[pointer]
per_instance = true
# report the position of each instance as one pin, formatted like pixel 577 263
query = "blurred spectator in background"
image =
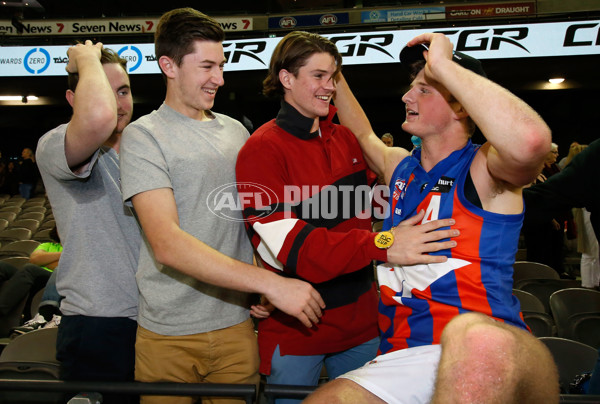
pixel 27 173
pixel 31 278
pixel 544 240
pixel 11 181
pixel 388 139
pixel 574 149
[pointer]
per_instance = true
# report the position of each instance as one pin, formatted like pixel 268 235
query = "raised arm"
pixel 94 106
pixel 519 139
pixel 381 159
pixel 177 249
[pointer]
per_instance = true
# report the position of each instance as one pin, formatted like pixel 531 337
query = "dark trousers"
pixel 28 280
pixel 97 349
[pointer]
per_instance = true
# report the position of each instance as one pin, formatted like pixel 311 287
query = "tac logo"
pixel 229 200
pixel 133 56
pixel 288 22
pixel 328 19
pixel 37 60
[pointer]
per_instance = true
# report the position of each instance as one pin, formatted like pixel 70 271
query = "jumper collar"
pixel 293 122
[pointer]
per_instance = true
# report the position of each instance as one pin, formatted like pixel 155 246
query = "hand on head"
pixel 86 49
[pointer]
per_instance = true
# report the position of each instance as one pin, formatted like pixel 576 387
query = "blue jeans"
pixel 26 190
pixel 50 295
pixel 304 370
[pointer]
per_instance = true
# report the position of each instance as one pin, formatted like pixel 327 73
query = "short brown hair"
pixel 107 56
pixel 179 29
pixel 291 53
pixel 419 65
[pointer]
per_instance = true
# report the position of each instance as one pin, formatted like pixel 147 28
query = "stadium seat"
pixel 532 270
pixel 569 302
pixel 30 224
pixel 535 316
pixel 543 288
pixel 15 234
pixel 31 356
pixel 22 248
pixel 572 358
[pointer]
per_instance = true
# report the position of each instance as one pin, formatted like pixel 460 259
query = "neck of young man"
pixel 437 148
pixel 114 141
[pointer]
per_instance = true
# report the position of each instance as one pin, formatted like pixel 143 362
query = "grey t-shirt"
pixel 166 149
pixel 100 236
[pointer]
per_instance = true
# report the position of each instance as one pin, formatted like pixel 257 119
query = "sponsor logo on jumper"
pixel 443 185
pixel 399 189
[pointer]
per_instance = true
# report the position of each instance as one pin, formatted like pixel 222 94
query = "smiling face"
pixel 428 110
pixel 119 82
pixel 310 90
pixel 197 79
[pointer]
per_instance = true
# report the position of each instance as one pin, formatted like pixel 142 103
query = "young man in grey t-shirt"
pixel 78 162
pixel 196 270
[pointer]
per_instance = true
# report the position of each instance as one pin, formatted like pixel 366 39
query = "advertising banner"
pixel 491 10
pixel 404 14
pixel 312 20
pixel 105 26
pixel 482 42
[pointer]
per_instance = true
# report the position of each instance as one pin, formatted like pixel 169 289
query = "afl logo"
pixel 228 201
pixel 287 22
pixel 37 60
pixel 328 19
pixel 133 56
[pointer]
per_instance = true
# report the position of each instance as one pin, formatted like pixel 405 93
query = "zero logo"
pixel 137 58
pixel 32 61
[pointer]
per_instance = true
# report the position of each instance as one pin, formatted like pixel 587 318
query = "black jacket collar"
pixel 293 122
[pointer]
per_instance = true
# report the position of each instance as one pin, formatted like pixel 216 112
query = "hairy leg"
pixel 342 391
pixel 487 361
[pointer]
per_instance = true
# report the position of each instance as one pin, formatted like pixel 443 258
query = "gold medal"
pixel 384 239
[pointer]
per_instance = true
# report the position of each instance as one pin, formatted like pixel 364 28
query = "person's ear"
pixel 459 110
pixel 70 96
pixel 167 65
pixel 285 77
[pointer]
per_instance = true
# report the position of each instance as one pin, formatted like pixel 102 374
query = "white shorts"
pixel 406 376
